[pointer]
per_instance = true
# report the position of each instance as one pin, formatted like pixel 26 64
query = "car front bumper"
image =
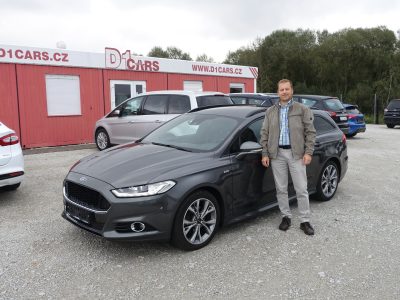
pixel 114 223
pixel 394 120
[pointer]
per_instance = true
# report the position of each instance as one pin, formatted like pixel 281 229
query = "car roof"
pixel 242 111
pixel 316 97
pixel 350 105
pixel 182 92
pixel 254 94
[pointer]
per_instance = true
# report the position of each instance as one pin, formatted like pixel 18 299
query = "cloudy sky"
pixel 213 27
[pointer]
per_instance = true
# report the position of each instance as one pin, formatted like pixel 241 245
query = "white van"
pixel 136 117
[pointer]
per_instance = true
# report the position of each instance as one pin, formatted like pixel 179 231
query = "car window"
pixel 212 100
pixel 308 102
pixel 249 134
pixel 333 104
pixel 194 132
pixel 255 101
pixel 352 110
pixel 155 104
pixel 131 107
pixel 178 104
pixel 394 104
pixel 322 126
pixel 238 100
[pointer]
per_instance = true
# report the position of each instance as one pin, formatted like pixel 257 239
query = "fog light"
pixel 137 226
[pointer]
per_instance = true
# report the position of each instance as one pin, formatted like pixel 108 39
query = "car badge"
pixel 83 179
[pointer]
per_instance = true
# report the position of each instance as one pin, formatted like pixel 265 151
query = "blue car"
pixel 355 119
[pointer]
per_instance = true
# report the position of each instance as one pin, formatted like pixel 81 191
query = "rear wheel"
pixel 196 221
pixel 328 181
pixel 390 125
pixel 102 139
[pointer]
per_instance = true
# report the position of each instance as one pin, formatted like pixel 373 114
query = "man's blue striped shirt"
pixel 284 138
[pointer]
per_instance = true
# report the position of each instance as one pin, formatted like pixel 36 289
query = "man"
pixel 287 138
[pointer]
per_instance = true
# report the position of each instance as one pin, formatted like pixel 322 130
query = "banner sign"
pixel 119 60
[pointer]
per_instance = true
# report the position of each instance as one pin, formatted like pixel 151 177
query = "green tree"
pixel 158 52
pixel 176 53
pixel 205 58
pixel 170 52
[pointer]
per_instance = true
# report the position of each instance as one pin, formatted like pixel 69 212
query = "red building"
pixel 53 97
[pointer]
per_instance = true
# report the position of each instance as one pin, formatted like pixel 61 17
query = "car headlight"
pixel 144 190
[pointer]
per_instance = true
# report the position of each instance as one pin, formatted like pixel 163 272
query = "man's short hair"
pixel 284 81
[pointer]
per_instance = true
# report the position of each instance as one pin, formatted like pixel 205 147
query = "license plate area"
pixel 79 214
pixel 343 118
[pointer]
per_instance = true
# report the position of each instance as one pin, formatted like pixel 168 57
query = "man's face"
pixel 285 91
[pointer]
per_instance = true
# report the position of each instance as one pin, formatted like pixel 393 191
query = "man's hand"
pixel 265 161
pixel 307 159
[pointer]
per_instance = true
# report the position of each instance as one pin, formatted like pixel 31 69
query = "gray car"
pixel 136 117
pixel 195 173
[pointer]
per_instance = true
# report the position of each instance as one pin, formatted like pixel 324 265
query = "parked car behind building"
pixel 11 159
pixel 136 117
pixel 190 176
pixel 392 113
pixel 355 118
pixel 330 104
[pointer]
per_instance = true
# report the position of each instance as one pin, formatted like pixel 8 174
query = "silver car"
pixel 136 117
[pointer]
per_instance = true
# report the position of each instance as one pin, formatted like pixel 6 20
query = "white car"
pixel 136 117
pixel 11 159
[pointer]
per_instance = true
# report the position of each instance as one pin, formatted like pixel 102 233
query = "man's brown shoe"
pixel 307 228
pixel 285 224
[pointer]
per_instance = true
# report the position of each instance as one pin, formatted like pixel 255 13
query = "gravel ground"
pixel 354 254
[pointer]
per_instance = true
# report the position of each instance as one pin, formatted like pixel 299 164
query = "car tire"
pixel 328 181
pixel 196 221
pixel 102 139
pixel 350 135
pixel 12 187
pixel 390 125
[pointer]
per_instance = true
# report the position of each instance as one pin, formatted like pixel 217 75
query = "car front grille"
pixel 83 217
pixel 86 197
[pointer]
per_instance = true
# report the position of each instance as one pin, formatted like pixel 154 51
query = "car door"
pixel 122 121
pixel 153 115
pixel 325 144
pixel 253 185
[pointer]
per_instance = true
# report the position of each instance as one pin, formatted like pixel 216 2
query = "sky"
pixel 212 27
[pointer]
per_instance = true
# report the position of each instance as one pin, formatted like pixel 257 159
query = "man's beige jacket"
pixel 301 131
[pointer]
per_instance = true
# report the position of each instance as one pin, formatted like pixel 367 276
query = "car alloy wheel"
pixel 102 139
pixel 196 222
pixel 328 181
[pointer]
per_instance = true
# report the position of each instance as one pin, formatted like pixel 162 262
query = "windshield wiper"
pixel 171 146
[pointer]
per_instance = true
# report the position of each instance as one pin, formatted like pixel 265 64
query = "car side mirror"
pixel 249 148
pixel 115 113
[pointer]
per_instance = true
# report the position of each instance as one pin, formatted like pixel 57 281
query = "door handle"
pixel 131 122
pixel 158 121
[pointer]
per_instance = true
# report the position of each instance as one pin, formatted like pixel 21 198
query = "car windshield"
pixel 211 100
pixel 334 104
pixel 394 104
pixel 193 132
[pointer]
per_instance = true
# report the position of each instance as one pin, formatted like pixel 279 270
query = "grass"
pixel 369 119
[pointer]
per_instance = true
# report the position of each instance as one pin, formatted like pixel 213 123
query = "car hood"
pixel 135 163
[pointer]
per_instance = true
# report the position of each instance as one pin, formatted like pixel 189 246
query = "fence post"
pixel 375 111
